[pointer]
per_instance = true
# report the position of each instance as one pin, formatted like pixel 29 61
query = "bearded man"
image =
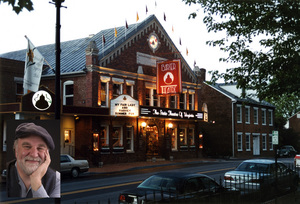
pixel 30 175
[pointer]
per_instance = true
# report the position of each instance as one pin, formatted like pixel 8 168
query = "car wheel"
pixel 74 173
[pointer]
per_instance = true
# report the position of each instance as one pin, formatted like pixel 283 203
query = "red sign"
pixel 168 77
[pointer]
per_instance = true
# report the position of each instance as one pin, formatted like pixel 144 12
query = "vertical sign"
pixel 168 77
pixel 275 137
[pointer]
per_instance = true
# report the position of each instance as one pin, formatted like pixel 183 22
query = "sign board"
pixel 275 139
pixel 41 100
pixel 124 105
pixel 168 77
pixel 171 113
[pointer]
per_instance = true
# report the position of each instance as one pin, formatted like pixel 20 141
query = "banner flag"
pixel 168 77
pixel 33 68
pixel 103 39
pixel 137 17
pixel 116 32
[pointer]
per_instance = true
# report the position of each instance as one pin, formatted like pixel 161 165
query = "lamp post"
pixel 57 62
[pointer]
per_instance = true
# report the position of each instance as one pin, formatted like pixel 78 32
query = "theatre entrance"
pixel 152 142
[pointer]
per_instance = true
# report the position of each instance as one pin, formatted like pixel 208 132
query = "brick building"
pixel 101 72
pixel 238 126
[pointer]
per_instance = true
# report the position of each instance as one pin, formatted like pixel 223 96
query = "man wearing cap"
pixel 30 175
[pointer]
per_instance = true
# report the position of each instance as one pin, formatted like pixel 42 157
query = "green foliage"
pixel 17 7
pixel 262 38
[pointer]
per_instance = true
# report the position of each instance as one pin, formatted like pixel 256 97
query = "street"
pixel 104 188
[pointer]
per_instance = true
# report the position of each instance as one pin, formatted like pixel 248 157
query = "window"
pixel 174 139
pixel 95 142
pixel 19 91
pixel 255 115
pixel 151 95
pixel 117 137
pixel 182 100
pixel 182 137
pixel 104 136
pixel 104 94
pixel 191 137
pixel 270 116
pixel 129 139
pixel 240 141
pixel 247 114
pixel 191 99
pixel 270 141
pixel 129 87
pixel 67 136
pixel 68 93
pixel 173 103
pixel 263 116
pixel 239 113
pixel 117 90
pixel 248 143
pixel 264 141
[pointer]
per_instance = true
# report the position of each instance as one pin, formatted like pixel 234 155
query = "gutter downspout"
pixel 233 126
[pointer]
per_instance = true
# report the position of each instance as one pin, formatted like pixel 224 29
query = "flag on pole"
pixel 126 24
pixel 116 32
pixel 137 17
pixel 179 41
pixel 103 39
pixel 146 10
pixel 33 68
pixel 165 17
pixel 187 52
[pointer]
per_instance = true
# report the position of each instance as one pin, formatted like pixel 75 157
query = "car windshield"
pixel 159 183
pixel 253 167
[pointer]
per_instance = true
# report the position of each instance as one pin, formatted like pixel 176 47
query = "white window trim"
pixel 175 148
pixel 270 114
pixel 64 91
pixel 193 100
pixel 264 141
pixel 248 136
pixel 106 92
pixel 270 142
pixel 121 134
pixel 240 119
pixel 263 119
pixel 255 109
pixel 240 134
pixel 247 110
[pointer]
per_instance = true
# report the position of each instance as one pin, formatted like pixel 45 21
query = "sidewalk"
pixel 112 168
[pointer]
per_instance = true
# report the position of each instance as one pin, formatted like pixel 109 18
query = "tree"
pixel 20 5
pixel 273 67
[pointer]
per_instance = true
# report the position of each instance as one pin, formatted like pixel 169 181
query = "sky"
pixel 82 18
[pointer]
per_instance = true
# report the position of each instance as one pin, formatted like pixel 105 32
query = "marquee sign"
pixel 170 113
pixel 124 105
pixel 168 77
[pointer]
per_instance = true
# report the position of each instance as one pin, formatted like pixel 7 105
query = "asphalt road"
pixel 105 188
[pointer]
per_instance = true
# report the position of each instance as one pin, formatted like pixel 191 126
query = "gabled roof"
pixel 231 91
pixel 73 51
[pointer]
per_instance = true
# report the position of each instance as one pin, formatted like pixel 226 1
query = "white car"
pixel 260 174
pixel 68 165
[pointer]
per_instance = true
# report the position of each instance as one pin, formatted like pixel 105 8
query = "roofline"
pixel 232 99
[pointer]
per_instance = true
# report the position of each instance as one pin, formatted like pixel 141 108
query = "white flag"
pixel 33 68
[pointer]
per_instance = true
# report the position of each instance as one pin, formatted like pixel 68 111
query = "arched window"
pixel 68 93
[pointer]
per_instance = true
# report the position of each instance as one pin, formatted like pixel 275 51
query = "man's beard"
pixel 27 167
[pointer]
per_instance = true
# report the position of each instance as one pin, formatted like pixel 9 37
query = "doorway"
pixel 256 147
pixel 152 141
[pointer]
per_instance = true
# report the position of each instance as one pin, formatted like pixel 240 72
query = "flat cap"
pixel 30 129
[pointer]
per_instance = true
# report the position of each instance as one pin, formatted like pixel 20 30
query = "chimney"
pixel 200 73
pixel 91 55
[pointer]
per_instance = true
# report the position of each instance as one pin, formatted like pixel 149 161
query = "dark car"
pixel 260 174
pixel 286 151
pixel 173 187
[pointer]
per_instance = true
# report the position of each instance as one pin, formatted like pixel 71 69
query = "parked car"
pixel 260 174
pixel 286 151
pixel 297 161
pixel 173 187
pixel 68 165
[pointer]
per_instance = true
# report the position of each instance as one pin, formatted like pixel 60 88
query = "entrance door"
pixel 256 148
pixel 152 141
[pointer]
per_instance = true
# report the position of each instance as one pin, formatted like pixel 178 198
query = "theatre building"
pixel 126 96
